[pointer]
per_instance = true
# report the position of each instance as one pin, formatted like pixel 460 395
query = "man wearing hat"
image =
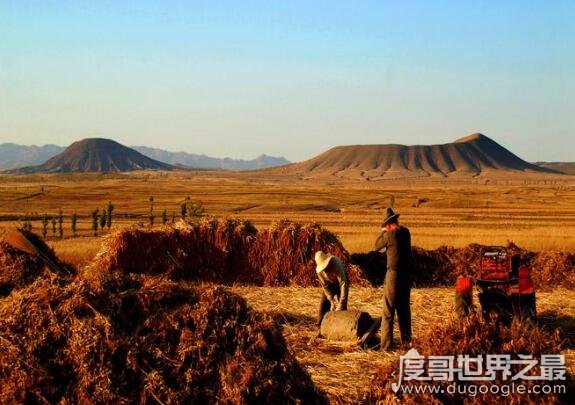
pixel 396 240
pixel 333 279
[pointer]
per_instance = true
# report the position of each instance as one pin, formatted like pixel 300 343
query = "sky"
pixel 289 78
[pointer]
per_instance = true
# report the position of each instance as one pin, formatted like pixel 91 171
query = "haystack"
pixel 206 251
pixel 225 252
pixel 284 254
pixel 473 336
pixel 132 338
pixel 429 268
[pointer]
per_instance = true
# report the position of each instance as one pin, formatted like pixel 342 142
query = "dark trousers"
pixel 325 304
pixel 396 291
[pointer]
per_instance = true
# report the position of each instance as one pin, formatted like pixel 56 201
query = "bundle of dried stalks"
pixel 474 336
pixel 132 338
pixel 284 254
pixel 206 251
pixel 225 252
pixel 23 258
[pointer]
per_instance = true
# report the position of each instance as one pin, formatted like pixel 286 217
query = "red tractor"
pixel 505 288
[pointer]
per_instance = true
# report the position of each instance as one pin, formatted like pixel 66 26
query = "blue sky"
pixel 291 78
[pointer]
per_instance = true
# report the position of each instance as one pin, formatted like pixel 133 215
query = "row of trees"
pixel 102 218
pixel 188 209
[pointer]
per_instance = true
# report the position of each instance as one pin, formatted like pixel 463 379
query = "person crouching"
pixel 333 279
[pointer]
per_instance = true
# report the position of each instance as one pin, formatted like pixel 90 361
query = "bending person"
pixel 334 281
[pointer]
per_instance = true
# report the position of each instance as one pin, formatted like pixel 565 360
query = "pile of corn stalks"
pixel 133 338
pixel 225 252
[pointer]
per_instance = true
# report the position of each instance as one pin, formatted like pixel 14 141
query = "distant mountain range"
pixel 563 167
pixel 17 156
pixel 206 162
pixel 473 155
pixel 13 155
pixel 95 155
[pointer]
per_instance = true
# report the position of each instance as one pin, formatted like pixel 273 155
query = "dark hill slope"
pixel 96 155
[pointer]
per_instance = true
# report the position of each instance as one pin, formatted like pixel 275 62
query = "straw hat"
pixel 322 260
pixel 389 215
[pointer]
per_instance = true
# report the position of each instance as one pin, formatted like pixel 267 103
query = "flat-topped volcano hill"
pixel 472 155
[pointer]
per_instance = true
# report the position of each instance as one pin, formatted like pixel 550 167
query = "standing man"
pixel 396 240
pixel 333 279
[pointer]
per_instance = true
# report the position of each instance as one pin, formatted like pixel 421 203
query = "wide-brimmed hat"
pixel 322 260
pixel 389 215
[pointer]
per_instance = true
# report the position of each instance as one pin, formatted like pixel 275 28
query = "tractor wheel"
pixel 495 305
pixel 527 307
pixel 463 304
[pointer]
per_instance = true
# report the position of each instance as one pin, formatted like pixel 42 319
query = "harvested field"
pixel 128 338
pixel 225 252
pixel 343 371
pixel 133 297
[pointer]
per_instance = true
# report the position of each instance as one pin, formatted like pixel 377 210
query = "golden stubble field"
pixel 534 213
pixel 537 214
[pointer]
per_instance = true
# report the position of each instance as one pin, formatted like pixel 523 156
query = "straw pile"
pixel 554 268
pixel 372 266
pixel 130 338
pixel 442 266
pixel 429 268
pixel 284 254
pixel 475 337
pixel 208 251
pixel 225 252
pixel 23 258
pixel 234 251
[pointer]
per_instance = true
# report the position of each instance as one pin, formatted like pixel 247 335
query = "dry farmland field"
pixel 537 214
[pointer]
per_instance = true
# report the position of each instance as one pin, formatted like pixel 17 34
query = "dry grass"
pixel 129 339
pixel 24 257
pixel 474 336
pixel 77 251
pixel 344 371
pixel 538 215
pixel 225 252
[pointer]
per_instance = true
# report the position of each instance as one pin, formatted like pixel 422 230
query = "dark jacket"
pixel 397 245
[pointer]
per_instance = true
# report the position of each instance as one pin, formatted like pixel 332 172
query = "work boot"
pixel 406 345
